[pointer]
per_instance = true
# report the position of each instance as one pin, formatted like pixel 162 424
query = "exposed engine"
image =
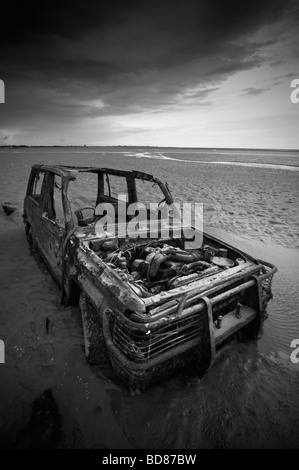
pixel 159 265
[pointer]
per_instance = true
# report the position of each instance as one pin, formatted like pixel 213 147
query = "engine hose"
pixel 155 264
pixel 160 258
pixel 190 258
pixel 197 265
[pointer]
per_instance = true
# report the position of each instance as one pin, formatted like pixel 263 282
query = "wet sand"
pixel 248 399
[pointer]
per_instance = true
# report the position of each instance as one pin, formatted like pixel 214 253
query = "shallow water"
pixel 250 396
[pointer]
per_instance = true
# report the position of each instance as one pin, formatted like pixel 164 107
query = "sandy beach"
pixel 248 399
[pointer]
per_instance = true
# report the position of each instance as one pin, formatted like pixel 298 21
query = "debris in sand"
pixel 47 324
pixel 9 208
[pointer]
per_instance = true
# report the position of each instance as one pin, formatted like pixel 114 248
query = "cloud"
pixel 251 91
pixel 65 61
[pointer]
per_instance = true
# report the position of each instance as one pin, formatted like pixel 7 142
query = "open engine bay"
pixel 153 266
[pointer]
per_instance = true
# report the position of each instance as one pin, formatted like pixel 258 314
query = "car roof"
pixel 71 171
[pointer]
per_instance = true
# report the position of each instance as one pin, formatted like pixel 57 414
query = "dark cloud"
pixel 132 34
pixel 74 59
pixel 251 91
pixel 290 75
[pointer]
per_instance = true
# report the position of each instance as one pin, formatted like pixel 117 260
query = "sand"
pixel 248 399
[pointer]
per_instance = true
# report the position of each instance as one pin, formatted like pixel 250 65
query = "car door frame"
pixel 48 235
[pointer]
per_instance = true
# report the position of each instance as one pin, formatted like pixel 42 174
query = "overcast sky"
pixel 189 73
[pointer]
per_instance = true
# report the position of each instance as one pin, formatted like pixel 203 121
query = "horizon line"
pixel 148 146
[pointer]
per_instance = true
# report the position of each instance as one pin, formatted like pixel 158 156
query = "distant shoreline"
pixel 152 147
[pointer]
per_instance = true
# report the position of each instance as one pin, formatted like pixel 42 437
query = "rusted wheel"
pixel 95 344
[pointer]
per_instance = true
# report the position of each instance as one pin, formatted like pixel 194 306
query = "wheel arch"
pixel 74 292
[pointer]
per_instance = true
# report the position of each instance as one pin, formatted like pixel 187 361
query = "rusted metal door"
pixel 45 215
pixel 52 223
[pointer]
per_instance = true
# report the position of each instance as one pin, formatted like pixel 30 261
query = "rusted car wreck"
pixel 148 305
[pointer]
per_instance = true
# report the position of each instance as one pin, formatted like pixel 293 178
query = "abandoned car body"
pixel 150 306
